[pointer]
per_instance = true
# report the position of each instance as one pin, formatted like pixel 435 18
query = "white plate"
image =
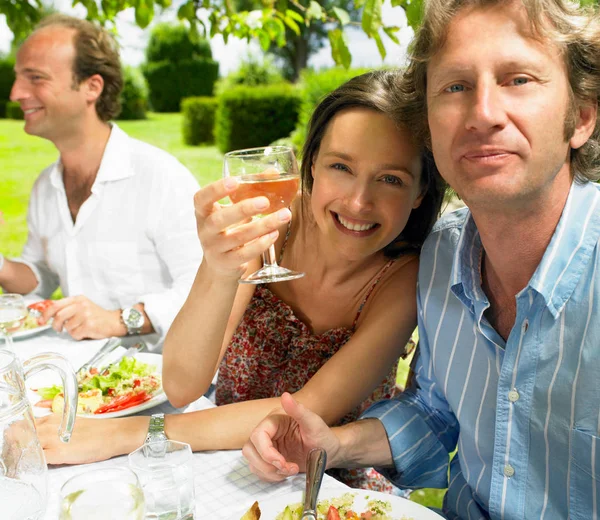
pixel 145 357
pixel 151 359
pixel 402 509
pixel 30 332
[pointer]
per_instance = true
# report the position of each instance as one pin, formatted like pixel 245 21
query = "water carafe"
pixel 23 469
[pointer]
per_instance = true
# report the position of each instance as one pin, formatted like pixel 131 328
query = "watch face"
pixel 133 318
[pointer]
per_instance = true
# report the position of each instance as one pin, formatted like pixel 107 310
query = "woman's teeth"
pixel 354 227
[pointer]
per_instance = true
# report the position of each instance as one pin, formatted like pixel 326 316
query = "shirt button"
pixel 513 395
pixel 525 326
pixel 509 471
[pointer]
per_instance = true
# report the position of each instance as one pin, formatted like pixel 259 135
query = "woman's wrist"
pixel 132 431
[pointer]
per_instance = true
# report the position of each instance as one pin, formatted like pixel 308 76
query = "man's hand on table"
pixel 81 318
pixel 93 440
pixel 278 446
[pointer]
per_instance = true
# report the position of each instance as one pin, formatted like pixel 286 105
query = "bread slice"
pixel 253 513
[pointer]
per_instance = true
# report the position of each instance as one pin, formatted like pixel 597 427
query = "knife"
pixel 130 352
pixel 110 345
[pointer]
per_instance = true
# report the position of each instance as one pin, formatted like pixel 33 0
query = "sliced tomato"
pixel 366 516
pixel 124 401
pixel 136 383
pixel 93 371
pixel 333 513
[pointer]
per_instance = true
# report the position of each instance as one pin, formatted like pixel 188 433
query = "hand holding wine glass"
pixel 271 172
pixel 13 313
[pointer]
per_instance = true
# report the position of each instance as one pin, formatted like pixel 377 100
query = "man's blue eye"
pixel 521 81
pixel 455 88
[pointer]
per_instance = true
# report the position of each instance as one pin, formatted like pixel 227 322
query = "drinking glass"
pixel 100 494
pixel 13 313
pixel 165 469
pixel 273 173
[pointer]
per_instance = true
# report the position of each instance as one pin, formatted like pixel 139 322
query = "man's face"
pixel 53 105
pixel 497 103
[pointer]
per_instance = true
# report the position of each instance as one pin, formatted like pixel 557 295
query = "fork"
pixel 316 461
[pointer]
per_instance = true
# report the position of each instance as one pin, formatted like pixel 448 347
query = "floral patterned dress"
pixel 272 351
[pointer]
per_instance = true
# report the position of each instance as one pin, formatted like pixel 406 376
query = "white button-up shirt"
pixel 134 239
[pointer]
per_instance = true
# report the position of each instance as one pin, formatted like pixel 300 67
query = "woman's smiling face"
pixel 367 180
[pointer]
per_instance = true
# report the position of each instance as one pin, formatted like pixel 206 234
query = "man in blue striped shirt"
pixel 509 289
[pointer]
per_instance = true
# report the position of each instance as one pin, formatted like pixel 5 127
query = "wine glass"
pixel 273 173
pixel 101 494
pixel 13 313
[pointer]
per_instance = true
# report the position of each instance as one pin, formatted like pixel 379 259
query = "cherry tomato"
pixel 333 513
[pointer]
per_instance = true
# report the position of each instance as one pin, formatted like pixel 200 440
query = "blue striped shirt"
pixel 525 413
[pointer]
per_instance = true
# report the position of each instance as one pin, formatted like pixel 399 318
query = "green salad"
pixel 342 507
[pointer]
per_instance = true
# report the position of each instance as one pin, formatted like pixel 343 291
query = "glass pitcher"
pixel 23 467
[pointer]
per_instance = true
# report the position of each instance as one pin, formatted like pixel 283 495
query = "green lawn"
pixel 23 157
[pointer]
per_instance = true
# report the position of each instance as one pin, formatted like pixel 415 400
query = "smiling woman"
pixel 369 197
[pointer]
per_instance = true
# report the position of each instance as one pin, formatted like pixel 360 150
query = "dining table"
pixel 224 485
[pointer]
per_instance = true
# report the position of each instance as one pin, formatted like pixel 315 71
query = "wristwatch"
pixel 156 429
pixel 155 445
pixel 133 320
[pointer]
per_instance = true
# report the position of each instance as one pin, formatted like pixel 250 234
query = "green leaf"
pixel 292 25
pixel 342 15
pixel 187 11
pixel 380 46
pixel 358 4
pixel 314 11
pixel 391 33
pixel 264 39
pixel 282 6
pixel 294 16
pixel 371 19
pixel 144 12
pixel 414 12
pixel 339 48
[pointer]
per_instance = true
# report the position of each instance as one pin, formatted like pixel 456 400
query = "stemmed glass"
pixel 273 173
pixel 13 313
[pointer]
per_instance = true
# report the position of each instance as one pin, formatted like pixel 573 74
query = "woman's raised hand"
pixel 229 236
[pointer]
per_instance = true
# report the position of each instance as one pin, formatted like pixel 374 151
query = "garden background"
pixel 177 101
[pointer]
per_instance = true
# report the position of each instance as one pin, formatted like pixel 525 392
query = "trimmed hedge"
pixel 198 120
pixel 13 110
pixel 252 72
pixel 315 86
pixel 7 78
pixel 174 42
pixel 170 82
pixel 134 97
pixel 255 116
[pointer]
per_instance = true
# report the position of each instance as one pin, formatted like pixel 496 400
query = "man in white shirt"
pixel 112 220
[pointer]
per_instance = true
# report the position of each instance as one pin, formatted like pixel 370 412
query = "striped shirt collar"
pixel 570 249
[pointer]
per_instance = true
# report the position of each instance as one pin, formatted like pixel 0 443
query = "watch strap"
pixel 156 428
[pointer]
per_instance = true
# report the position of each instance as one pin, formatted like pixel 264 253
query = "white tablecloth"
pixel 224 485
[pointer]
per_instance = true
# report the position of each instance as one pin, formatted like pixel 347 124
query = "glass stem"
pixel 269 259
pixel 8 343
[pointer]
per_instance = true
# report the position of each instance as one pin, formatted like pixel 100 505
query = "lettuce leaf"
pixel 49 392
